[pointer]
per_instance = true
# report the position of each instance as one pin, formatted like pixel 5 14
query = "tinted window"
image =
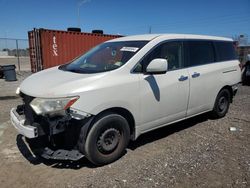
pixel 200 52
pixel 225 51
pixel 172 51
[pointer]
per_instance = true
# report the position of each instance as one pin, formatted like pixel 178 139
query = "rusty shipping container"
pixel 50 48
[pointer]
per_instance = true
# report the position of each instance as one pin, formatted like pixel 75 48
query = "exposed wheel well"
pixel 126 114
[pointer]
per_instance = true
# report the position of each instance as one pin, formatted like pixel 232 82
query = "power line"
pixel 230 17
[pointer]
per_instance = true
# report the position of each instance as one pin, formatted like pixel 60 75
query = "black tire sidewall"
pixel 216 111
pixel 103 123
pixel 245 78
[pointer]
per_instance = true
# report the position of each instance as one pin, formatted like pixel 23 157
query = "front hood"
pixel 52 83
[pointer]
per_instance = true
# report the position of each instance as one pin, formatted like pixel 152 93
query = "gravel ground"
pixel 199 152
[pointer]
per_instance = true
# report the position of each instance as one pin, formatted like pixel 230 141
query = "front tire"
pixel 222 103
pixel 107 139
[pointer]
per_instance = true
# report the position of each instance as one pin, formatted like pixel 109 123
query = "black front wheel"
pixel 222 103
pixel 107 139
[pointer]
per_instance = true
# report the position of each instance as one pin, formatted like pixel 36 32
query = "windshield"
pixel 105 57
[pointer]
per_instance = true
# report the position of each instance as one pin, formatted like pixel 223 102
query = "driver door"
pixel 164 97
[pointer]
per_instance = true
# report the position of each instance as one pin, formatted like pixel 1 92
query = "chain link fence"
pixel 15 52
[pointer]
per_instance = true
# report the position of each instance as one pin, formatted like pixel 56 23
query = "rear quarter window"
pixel 225 51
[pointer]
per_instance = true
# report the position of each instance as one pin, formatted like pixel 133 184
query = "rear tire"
pixel 222 103
pixel 107 139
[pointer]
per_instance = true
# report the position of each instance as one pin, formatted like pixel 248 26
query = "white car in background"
pixel 123 88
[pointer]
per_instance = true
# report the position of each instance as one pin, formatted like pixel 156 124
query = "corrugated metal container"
pixel 49 48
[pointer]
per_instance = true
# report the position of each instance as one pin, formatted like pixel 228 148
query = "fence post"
pixel 17 53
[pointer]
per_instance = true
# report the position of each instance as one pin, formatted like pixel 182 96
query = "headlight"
pixel 52 106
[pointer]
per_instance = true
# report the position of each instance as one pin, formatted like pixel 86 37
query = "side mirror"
pixel 157 66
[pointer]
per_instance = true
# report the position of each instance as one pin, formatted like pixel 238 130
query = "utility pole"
pixel 78 16
pixel 6 35
pixel 150 29
pixel 80 3
pixel 17 53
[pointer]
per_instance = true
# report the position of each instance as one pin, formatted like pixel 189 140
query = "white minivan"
pixel 120 89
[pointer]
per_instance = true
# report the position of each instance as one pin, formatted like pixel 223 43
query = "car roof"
pixel 149 37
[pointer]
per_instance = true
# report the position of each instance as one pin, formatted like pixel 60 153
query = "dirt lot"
pixel 199 152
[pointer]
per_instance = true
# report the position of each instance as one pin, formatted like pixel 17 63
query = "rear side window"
pixel 200 52
pixel 225 51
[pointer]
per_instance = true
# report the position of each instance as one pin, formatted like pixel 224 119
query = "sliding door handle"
pixel 195 75
pixel 183 78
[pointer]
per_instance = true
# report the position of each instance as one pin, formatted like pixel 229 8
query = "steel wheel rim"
pixel 108 140
pixel 222 103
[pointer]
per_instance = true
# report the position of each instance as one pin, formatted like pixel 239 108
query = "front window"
pixel 172 51
pixel 105 57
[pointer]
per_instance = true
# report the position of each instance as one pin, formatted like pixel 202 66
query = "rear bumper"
pixel 18 122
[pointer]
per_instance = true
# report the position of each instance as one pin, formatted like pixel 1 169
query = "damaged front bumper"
pixel 60 154
pixel 58 136
pixel 18 122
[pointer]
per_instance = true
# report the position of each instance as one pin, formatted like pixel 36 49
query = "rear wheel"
pixel 222 103
pixel 107 139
